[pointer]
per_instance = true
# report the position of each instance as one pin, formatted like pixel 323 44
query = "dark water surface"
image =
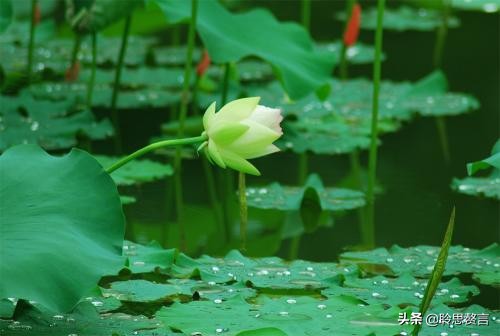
pixel 417 201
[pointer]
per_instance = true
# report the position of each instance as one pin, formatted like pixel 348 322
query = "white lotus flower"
pixel 241 130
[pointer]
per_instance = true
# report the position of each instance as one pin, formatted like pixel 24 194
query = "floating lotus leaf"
pixel 479 186
pixel 141 291
pixel 129 99
pixel 482 186
pixel 403 291
pixel 488 6
pixel 58 226
pixel 223 31
pixel 52 125
pixel 419 260
pixel 276 196
pixel 137 171
pixel 301 315
pixel 84 321
pixel 169 78
pixel 148 258
pixel 404 18
pixel 53 56
pixel 360 53
pixel 490 162
pixel 173 55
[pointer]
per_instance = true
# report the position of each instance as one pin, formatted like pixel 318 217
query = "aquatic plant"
pixel 206 235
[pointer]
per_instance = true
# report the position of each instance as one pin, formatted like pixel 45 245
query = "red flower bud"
pixel 37 14
pixel 352 28
pixel 204 64
pixel 72 72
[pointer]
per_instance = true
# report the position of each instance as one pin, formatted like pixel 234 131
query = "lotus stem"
pixel 441 35
pixel 155 146
pixel 305 14
pixel 31 43
pixel 243 211
pixel 368 232
pixel 116 85
pixel 90 87
pixel 182 119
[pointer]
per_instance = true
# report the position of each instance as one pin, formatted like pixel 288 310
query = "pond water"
pixel 417 199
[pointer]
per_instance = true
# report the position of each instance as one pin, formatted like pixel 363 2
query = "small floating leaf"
pixel 404 18
pixel 276 196
pixel 137 171
pixel 52 125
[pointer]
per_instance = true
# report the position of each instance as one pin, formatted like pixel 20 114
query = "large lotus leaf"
pixel 479 186
pixel 360 53
pixel 286 46
pixel 402 291
pixel 299 316
pixel 84 321
pixel 52 125
pixel 99 13
pixel 147 258
pixel 488 6
pixel 127 99
pixel 137 171
pixel 61 223
pixel 5 14
pixel 404 18
pixel 420 260
pixel 276 196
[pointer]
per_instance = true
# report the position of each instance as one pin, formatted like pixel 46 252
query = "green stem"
pixel 243 211
pixel 31 44
pixel 155 146
pixel 228 176
pixel 182 119
pixel 301 179
pixel 76 49
pixel 209 177
pixel 116 85
pixel 214 200
pixel 90 87
pixel 441 35
pixel 293 253
pixel 303 168
pixel 174 111
pixel 305 14
pixel 368 234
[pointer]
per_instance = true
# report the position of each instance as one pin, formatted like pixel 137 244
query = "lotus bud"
pixel 239 131
pixel 352 30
